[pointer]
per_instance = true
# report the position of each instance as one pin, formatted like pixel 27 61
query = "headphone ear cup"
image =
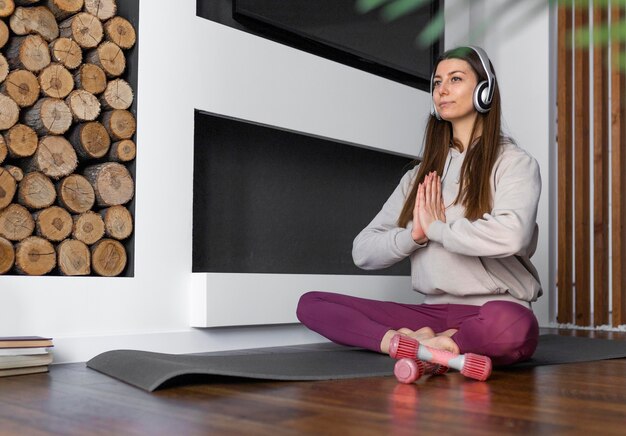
pixel 481 94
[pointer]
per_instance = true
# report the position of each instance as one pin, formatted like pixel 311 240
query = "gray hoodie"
pixel 465 262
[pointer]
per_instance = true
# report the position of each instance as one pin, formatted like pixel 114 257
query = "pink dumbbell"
pixel 408 372
pixel 429 368
pixel 470 365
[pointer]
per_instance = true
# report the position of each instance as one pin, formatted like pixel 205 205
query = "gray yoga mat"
pixel 148 371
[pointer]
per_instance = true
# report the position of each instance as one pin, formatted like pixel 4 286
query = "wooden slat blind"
pixel 618 142
pixel 581 172
pixel 565 262
pixel 601 177
pixel 574 184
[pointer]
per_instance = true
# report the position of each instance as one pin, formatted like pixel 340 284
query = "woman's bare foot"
pixel 420 335
pixel 442 342
pixel 448 333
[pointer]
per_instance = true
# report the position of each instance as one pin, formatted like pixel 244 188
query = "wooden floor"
pixel 584 398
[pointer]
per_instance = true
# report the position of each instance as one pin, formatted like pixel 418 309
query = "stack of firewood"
pixel 66 137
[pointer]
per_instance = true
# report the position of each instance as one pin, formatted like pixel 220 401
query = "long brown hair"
pixel 474 189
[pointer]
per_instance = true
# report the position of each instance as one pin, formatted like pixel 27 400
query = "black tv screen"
pixel 337 30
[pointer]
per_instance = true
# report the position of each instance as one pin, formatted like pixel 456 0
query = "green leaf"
pixel 433 30
pixel 400 8
pixel 365 6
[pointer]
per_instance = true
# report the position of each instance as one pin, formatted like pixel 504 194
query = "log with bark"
pixel 55 157
pixel 111 182
pixel 109 57
pixel 28 52
pixel 75 194
pixel 9 112
pixel 8 186
pixel 91 78
pixel 119 123
pixel 36 191
pixel 84 28
pixel 35 256
pixel 122 151
pixel 117 95
pixel 4 67
pixel 83 105
pixel 64 8
pixel 4 151
pixel 74 258
pixel 16 172
pixel 6 8
pixel 56 81
pixel 7 255
pixel 88 227
pixel 108 258
pixel 4 33
pixel 49 116
pixel 16 222
pixel 66 52
pixel 103 9
pixel 120 31
pixel 90 140
pixel 22 86
pixel 21 141
pixel 53 223
pixel 37 20
pixel 118 222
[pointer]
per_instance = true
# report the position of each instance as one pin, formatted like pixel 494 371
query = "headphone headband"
pixel 483 94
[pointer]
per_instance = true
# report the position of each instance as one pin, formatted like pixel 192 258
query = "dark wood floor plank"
pixel 582 398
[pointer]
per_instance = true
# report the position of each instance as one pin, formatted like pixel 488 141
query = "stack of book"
pixel 24 355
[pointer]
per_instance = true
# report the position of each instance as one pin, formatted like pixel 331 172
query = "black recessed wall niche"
pixel 266 200
pixel 336 30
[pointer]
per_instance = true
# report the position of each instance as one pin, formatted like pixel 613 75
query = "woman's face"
pixel 453 88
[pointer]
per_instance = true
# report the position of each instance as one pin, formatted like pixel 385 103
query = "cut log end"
pixel 84 28
pixel 53 223
pixel 36 191
pixel 88 227
pixel 118 222
pixel 74 258
pixel 16 222
pixel 103 9
pixel 29 52
pixel 112 183
pixel 55 157
pixel 8 187
pixel 123 151
pixel 21 141
pixel 35 256
pixel 76 194
pixel 36 19
pixel 9 112
pixel 7 255
pixel 108 258
pixel 23 87
pixel 67 52
pixel 83 105
pixel 90 140
pixel 120 31
pixel 91 78
pixel 56 81
pixel 7 7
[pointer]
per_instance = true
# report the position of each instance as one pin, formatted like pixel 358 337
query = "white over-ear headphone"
pixel 483 93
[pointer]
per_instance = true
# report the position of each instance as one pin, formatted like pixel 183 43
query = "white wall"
pixel 519 45
pixel 184 63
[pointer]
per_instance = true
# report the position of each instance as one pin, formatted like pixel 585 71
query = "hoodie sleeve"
pixel 509 228
pixel 382 243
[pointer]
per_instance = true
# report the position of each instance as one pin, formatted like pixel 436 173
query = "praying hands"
pixel 428 208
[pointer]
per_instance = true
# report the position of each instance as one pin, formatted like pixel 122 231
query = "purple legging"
pixel 505 331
